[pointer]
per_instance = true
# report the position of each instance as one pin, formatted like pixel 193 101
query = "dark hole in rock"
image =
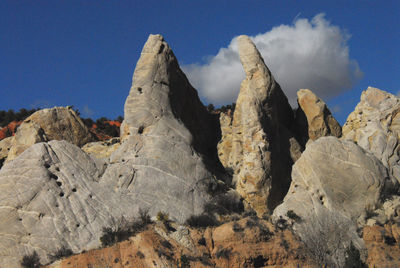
pixel 61 194
pixel 59 183
pixel 74 190
pixel 46 165
pixel 140 130
pixel 20 219
pixel 57 168
pixel 53 176
pixel 90 196
pixel 140 90
pixel 77 225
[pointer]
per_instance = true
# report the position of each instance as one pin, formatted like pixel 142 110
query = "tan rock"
pixel 102 149
pixel 225 144
pixel 5 146
pixel 57 123
pixel 261 147
pixel 375 126
pixel 316 116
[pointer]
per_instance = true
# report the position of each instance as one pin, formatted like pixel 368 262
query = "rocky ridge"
pixel 55 194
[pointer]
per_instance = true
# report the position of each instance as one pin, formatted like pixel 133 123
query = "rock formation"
pixel 261 147
pixel 102 149
pixel 375 126
pixel 313 118
pixel 50 197
pixel 168 153
pixel 339 181
pixel 5 146
pixel 57 123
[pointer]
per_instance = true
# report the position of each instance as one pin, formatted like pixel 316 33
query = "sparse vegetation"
pixel 292 215
pixel 61 253
pixel 389 240
pixel 326 239
pixel 124 231
pixel 224 204
pixel 202 221
pixel 353 259
pixel 223 253
pixel 237 228
pixel 31 261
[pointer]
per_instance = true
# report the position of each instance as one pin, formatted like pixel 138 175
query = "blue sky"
pixel 83 53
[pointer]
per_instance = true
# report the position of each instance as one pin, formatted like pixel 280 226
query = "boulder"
pixel 168 157
pixel 375 126
pixel 50 197
pixel 102 149
pixel 335 184
pixel 313 118
pixel 58 123
pixel 261 146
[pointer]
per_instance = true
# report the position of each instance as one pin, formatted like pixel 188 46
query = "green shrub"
pixel 163 217
pixel 31 261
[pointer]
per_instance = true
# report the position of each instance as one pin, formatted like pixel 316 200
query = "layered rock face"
pixel 169 139
pixel 58 123
pixel 50 198
pixel 313 118
pixel 262 147
pixel 375 126
pixel 335 184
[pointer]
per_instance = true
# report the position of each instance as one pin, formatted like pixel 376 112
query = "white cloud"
pixel 308 54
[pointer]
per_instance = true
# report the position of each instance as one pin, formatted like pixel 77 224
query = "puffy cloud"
pixel 308 54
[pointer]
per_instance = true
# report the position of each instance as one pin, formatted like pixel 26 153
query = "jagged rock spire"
pixel 262 146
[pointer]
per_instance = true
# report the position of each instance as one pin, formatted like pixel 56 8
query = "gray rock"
pixel 168 153
pixel 5 146
pixel 336 180
pixel 49 198
pixel 375 126
pixel 102 149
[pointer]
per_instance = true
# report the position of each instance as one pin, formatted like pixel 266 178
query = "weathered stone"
pixel 313 118
pixel 5 146
pixel 261 147
pixel 225 144
pixel 339 181
pixel 102 149
pixel 58 123
pixel 168 153
pixel 339 176
pixel 50 197
pixel 375 126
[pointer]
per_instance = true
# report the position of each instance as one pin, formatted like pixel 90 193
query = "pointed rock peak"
pixel 374 96
pixel 313 118
pixel 249 55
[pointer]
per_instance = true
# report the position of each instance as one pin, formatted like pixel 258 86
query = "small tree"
pixel 31 261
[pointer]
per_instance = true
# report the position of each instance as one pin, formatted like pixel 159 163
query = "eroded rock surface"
pixel 339 181
pixel 102 149
pixel 50 197
pixel 313 118
pixel 58 123
pixel 375 126
pixel 168 152
pixel 261 147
